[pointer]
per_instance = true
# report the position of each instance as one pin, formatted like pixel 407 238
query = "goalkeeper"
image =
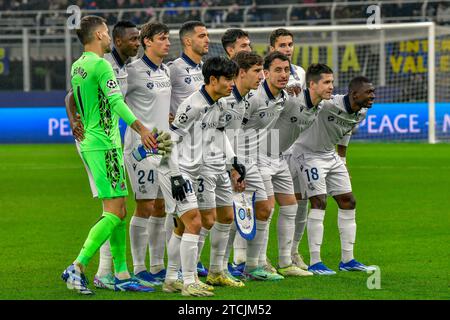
pixel 100 103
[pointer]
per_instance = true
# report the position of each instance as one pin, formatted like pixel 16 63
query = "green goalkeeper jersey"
pixel 99 102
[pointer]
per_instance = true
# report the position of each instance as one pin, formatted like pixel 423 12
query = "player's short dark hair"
pixel 314 72
pixel 272 56
pixel 231 35
pixel 189 26
pixel 245 60
pixel 150 29
pixel 87 26
pixel 280 32
pixel 357 82
pixel 219 66
pixel 120 27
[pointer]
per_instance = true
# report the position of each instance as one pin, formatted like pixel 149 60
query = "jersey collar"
pixel 149 63
pixel 308 100
pixel 206 96
pixel 189 61
pixel 237 95
pixel 347 105
pixel 269 94
pixel 116 56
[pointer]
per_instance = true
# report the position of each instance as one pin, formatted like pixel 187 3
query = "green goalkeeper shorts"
pixel 106 167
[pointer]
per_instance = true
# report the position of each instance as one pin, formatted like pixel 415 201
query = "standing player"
pixel 186 77
pixel 195 123
pixel 282 40
pixel 265 107
pixel 249 77
pixel 126 45
pixel 324 172
pixel 234 41
pixel 148 96
pixel 100 104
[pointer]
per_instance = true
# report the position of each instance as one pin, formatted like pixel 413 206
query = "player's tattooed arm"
pixel 74 118
pixel 147 137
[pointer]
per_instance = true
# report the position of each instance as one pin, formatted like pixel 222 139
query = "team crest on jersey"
pixel 293 119
pixel 188 80
pixel 150 85
pixel 111 84
pixel 330 118
pixel 183 118
pixel 262 114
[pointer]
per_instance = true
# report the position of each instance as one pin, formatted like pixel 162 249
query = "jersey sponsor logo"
pixel 209 125
pixel 183 117
pixel 188 80
pixel 111 84
pixel 159 84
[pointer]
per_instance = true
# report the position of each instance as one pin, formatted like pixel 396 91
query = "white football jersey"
pixel 335 120
pixel 148 96
pixel 196 123
pixel 186 77
pixel 260 117
pixel 233 114
pixel 297 77
pixel 119 68
pixel 296 119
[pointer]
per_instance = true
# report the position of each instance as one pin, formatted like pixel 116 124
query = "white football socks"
pixel 239 249
pixel 105 264
pixel 300 224
pixel 201 241
pixel 263 251
pixel 169 226
pixel 138 242
pixel 219 239
pixel 156 243
pixel 230 242
pixel 347 233
pixel 188 252
pixel 173 257
pixel 254 245
pixel 315 234
pixel 285 233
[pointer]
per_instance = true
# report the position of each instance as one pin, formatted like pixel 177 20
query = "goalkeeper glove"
pixel 179 186
pixel 240 168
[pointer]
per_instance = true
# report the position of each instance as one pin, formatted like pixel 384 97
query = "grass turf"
pixel 403 206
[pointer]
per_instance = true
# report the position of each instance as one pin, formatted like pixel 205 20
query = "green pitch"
pixel 403 217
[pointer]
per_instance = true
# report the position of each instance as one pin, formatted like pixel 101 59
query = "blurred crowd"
pixel 178 11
